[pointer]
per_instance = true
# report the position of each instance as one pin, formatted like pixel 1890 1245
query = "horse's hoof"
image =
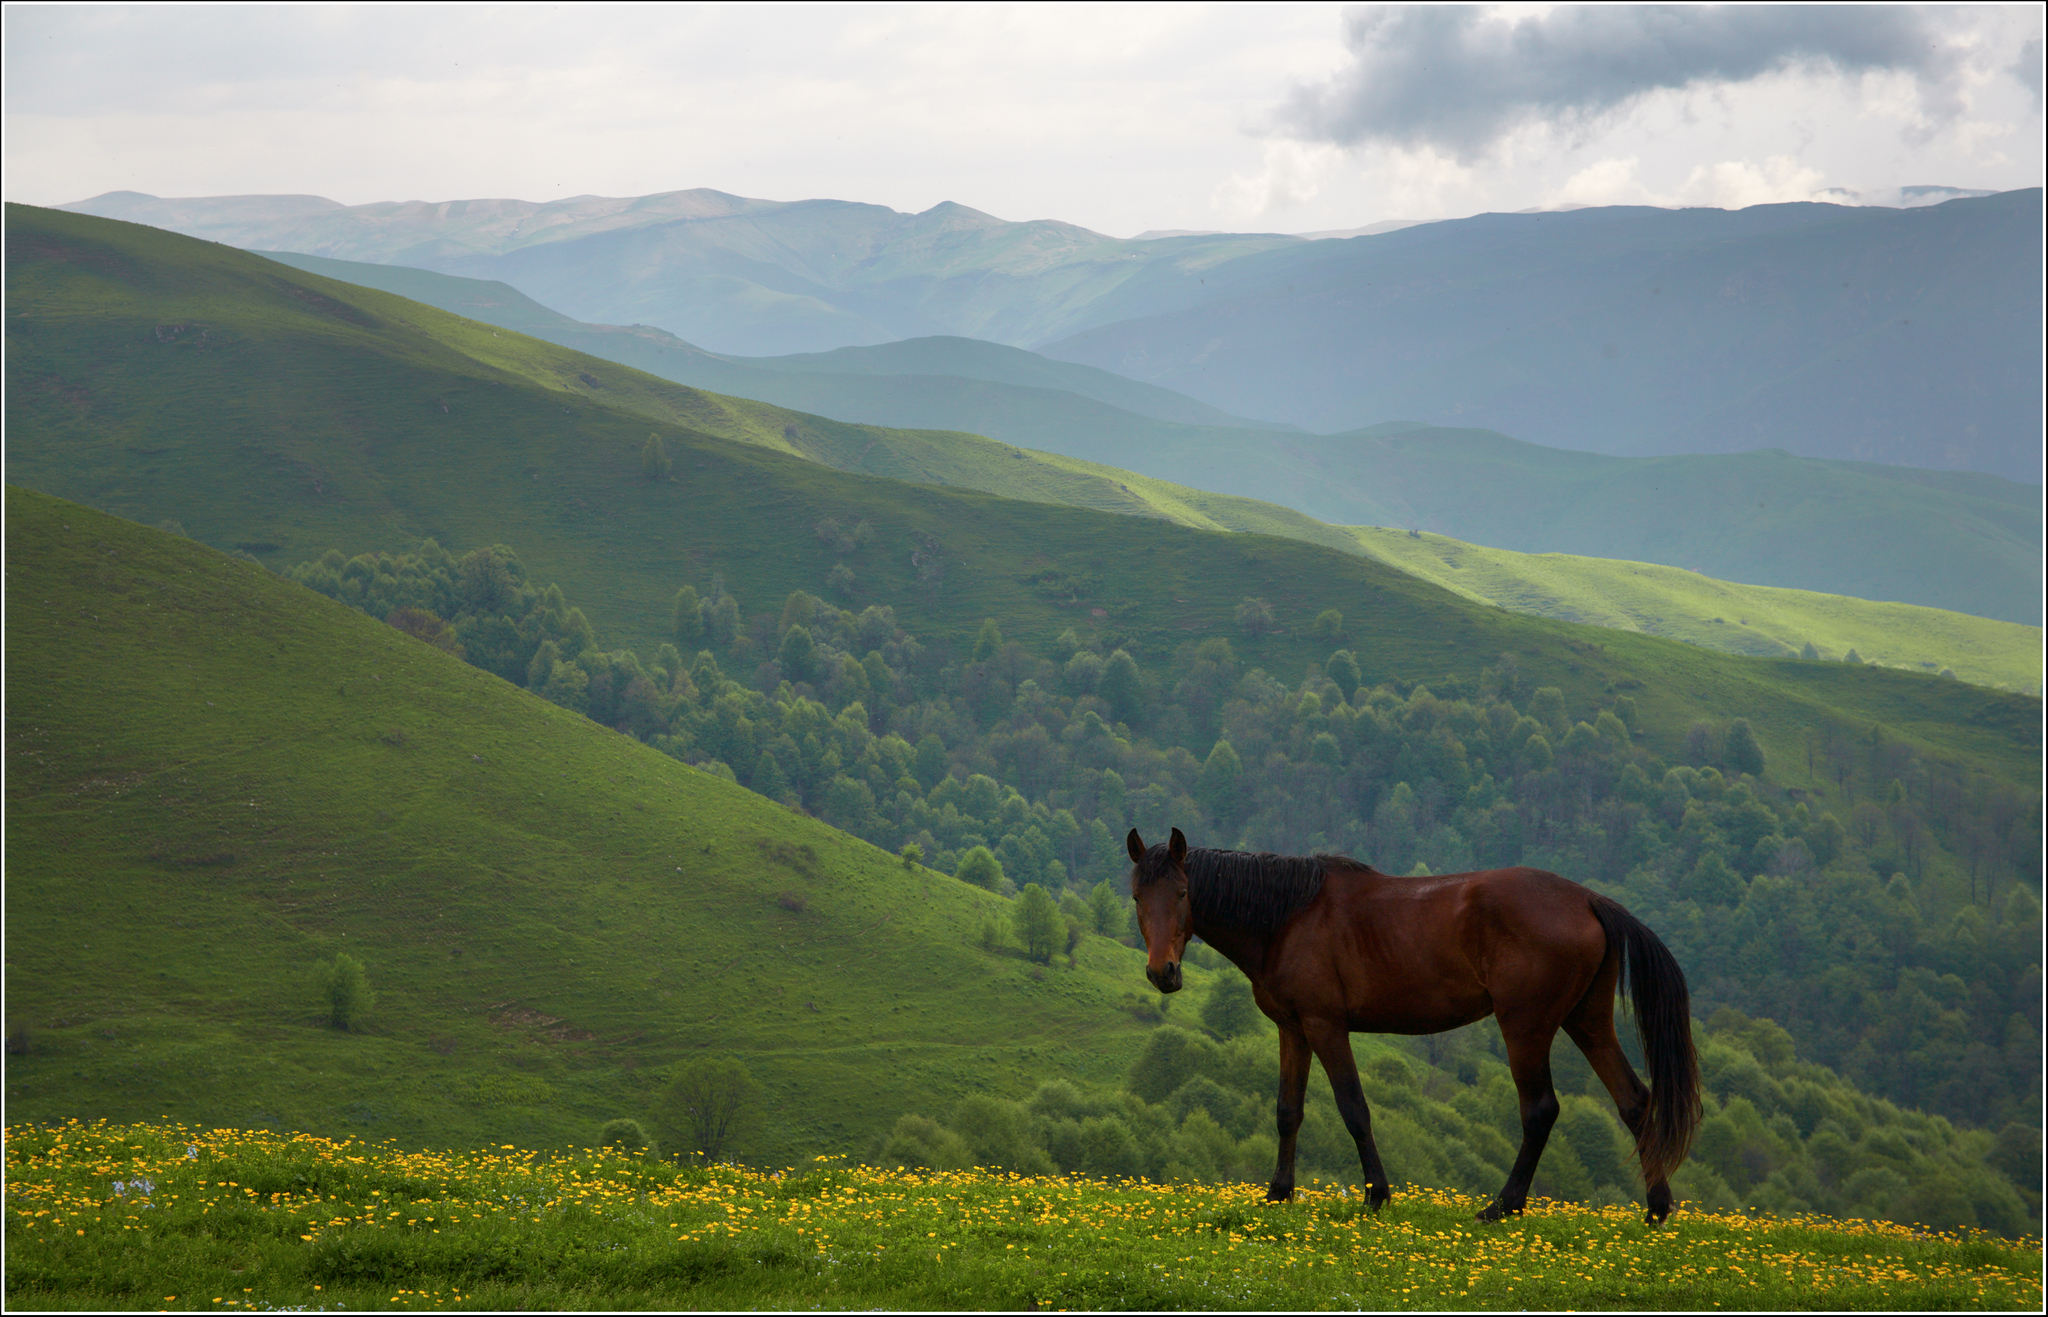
pixel 1279 1195
pixel 1495 1212
pixel 1379 1196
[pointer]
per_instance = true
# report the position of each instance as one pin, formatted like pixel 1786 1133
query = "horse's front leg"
pixel 1294 1054
pixel 1332 1044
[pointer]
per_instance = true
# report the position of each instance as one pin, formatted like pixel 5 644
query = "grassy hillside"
pixel 1942 540
pixel 217 778
pixel 1743 619
pixel 283 414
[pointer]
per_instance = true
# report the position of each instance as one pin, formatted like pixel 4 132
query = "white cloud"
pixel 1117 117
pixel 1290 176
pixel 1734 184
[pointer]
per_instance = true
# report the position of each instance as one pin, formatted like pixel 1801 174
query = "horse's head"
pixel 1160 887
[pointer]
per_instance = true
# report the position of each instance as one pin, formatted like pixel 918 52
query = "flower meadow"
pixel 170 1217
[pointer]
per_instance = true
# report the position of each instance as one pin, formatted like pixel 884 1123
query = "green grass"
pixel 1741 619
pixel 217 778
pixel 158 377
pixel 233 1220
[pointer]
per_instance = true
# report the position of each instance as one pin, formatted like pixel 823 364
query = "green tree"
pixel 988 642
pixel 979 866
pixel 1744 755
pixel 686 618
pixel 1108 910
pixel 1254 616
pixel 1230 1010
pixel 345 991
pixel 721 618
pixel 1342 668
pixel 1712 882
pixel 1216 788
pixel 654 463
pixel 1546 706
pixel 798 655
pixel 1039 925
pixel 708 1103
pixel 929 768
pixel 912 855
pixel 1122 687
pixel 1329 625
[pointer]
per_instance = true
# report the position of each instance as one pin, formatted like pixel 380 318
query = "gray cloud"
pixel 2027 68
pixel 1451 77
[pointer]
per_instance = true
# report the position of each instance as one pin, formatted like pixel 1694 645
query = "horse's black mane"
pixel 1255 892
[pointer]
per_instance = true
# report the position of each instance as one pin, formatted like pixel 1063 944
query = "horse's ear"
pixel 1177 849
pixel 1136 846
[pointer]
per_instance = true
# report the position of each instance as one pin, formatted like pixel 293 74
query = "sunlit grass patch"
pixel 175 1217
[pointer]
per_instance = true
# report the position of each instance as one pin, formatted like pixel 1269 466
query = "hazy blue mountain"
pixel 1967 542
pixel 1901 336
pixel 736 274
pixel 946 383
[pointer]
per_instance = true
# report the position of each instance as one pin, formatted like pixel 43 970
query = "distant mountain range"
pixel 1907 336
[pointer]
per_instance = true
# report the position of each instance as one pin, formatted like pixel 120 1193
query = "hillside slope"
pixel 245 778
pixel 1952 541
pixel 285 414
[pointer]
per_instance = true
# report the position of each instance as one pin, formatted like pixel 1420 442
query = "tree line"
pixel 1898 939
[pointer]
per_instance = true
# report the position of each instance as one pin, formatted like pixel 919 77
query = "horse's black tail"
pixel 1656 987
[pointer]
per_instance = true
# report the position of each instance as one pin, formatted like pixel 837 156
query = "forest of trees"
pixel 1895 935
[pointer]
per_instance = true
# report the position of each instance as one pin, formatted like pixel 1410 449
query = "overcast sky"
pixel 1272 117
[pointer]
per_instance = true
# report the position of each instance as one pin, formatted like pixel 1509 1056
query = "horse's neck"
pixel 1243 949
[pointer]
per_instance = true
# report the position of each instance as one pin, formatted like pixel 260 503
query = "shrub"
pixel 980 867
pixel 626 1138
pixel 344 988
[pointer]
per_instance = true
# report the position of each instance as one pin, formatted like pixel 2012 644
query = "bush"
pixel 344 988
pixel 626 1138
pixel 980 867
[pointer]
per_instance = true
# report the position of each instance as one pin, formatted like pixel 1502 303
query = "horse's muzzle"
pixel 1166 980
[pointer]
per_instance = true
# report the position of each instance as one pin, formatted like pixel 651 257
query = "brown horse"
pixel 1333 946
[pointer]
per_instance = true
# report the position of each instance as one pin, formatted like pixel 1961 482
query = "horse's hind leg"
pixel 1333 1048
pixel 1529 1061
pixel 1294 1055
pixel 1592 1028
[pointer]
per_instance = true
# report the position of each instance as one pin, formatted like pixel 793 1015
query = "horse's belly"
pixel 1418 1012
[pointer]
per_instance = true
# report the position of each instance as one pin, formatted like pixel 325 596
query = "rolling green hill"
pixel 1952 541
pixel 217 778
pixel 283 414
